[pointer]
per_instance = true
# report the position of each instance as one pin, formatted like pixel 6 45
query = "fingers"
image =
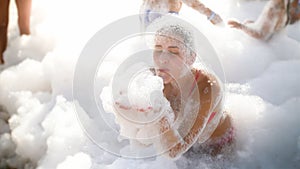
pixel 124 107
pixel 144 109
pixel 234 24
pixel 121 106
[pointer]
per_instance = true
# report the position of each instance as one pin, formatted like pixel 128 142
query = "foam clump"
pixel 78 161
pixel 139 108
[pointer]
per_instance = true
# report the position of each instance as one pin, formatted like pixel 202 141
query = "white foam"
pixel 262 93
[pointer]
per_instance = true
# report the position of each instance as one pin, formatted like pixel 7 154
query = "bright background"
pixel 263 91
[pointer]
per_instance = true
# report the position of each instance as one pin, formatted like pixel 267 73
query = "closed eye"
pixel 173 50
pixel 157 53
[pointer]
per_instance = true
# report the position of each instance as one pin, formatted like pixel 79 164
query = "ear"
pixel 191 59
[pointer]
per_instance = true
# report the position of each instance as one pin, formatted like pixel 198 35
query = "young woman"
pixel 187 90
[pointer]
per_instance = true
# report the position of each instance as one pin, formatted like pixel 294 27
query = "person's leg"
pixel 4 9
pixel 24 11
pixel 294 12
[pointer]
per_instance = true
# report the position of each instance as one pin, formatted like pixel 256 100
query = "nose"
pixel 163 58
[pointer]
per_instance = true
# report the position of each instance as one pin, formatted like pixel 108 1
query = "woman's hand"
pixel 235 24
pixel 214 18
pixel 134 108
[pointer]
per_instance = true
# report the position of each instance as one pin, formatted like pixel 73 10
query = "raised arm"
pixel 200 7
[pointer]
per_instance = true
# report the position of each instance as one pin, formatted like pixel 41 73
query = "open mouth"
pixel 162 70
pixel 163 73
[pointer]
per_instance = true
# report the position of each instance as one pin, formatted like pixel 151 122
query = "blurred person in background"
pixel 276 15
pixel 24 11
pixel 152 9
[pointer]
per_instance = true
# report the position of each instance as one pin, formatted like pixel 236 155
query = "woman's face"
pixel 170 58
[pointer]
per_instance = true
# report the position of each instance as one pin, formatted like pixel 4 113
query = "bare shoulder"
pixel 204 77
pixel 207 82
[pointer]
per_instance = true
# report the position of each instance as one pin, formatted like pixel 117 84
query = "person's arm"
pixel 200 7
pixel 273 14
pixel 258 34
pixel 172 140
pixel 175 5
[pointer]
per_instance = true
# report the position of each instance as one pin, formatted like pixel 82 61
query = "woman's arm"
pixel 262 32
pixel 172 139
pixel 200 7
pixel 272 18
pixel 175 5
pixel 258 34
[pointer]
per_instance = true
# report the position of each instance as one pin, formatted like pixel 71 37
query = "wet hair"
pixel 182 35
pixel 179 33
